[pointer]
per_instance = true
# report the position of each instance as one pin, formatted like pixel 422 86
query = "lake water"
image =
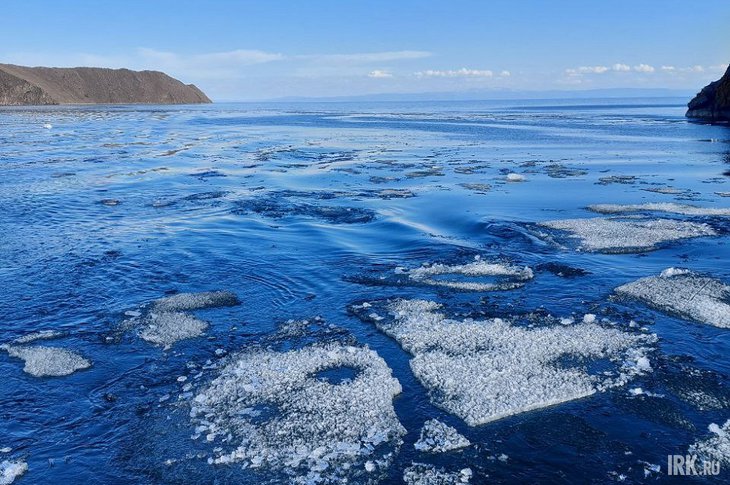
pixel 305 211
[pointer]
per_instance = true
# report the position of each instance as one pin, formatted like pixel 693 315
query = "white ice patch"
pixel 668 207
pixel 619 235
pixel 48 361
pixel 438 437
pixel 422 474
pixel 270 409
pixel 166 322
pixel 716 448
pixel 515 276
pixel 195 301
pixel 684 293
pixel 515 177
pixel 170 327
pixel 10 470
pixel 42 335
pixel 485 370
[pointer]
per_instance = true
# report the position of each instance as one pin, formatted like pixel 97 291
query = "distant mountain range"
pixel 21 85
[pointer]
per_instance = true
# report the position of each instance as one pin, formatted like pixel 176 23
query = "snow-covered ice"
pixel 165 321
pixel 684 293
pixel 170 327
pixel 48 361
pixel 181 302
pixel 438 437
pixel 715 448
pixel 612 235
pixel 423 474
pixel 511 276
pixel 41 335
pixel 668 207
pixel 10 470
pixel 515 177
pixel 485 370
pixel 270 409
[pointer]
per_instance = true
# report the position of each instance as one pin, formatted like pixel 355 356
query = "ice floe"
pixel 684 293
pixel 423 474
pixel 165 321
pixel 41 335
pixel 668 207
pixel 48 361
pixel 715 448
pixel 275 410
pixel 485 370
pixel 513 276
pixel 628 235
pixel 438 437
pixel 10 470
pixel 195 301
pixel 167 328
pixel 515 177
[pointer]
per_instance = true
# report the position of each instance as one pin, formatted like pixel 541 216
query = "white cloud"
pixel 620 67
pixel 379 74
pixel 668 68
pixel 644 68
pixel 463 72
pixel 367 57
pixel 505 74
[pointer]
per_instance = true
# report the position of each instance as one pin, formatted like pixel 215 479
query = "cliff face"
pixel 713 102
pixel 90 85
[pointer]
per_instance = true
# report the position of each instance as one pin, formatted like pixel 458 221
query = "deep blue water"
pixel 284 206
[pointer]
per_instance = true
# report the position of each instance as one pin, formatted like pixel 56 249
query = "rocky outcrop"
pixel 92 85
pixel 713 102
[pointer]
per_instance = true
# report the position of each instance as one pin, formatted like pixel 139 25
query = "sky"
pixel 257 50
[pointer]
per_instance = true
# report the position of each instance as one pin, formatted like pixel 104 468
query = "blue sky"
pixel 265 49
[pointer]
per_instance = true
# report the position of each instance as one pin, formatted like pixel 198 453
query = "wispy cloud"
pixel 463 72
pixel 365 57
pixel 618 67
pixel 379 74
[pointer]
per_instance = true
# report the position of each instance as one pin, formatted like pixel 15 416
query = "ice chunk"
pixel 272 410
pixel 515 177
pixel 42 335
pixel 684 293
pixel 514 276
pixel 48 361
pixel 438 437
pixel 669 207
pixel 195 301
pixel 422 474
pixel 628 235
pixel 715 448
pixel 485 370
pixel 10 470
pixel 170 327
pixel 165 321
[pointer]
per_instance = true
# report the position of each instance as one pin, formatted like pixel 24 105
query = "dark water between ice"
pixel 302 210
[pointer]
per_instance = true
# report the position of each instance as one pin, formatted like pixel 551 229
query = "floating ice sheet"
pixel 684 293
pixel 716 448
pixel 42 335
pixel 628 235
pixel 422 474
pixel 48 361
pixel 438 437
pixel 167 328
pixel 669 207
pixel 181 302
pixel 513 276
pixel 10 470
pixel 485 370
pixel 274 409
pixel 165 322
